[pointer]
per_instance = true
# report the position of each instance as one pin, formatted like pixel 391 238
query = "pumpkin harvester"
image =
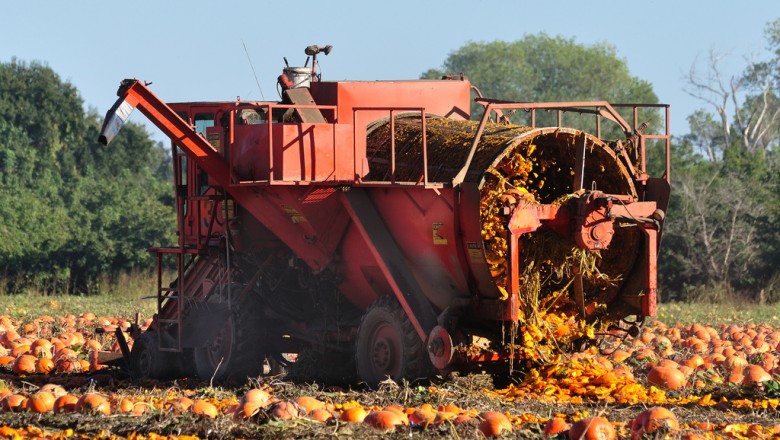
pixel 375 219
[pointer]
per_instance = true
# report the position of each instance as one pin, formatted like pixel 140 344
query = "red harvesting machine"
pixel 374 220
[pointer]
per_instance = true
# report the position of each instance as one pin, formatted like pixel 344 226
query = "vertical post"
pixel 270 144
pixel 228 240
pixel 159 281
pixel 424 147
pixel 392 146
pixel 649 301
pixel 598 124
pixel 231 140
pixel 533 118
pixel 514 277
pixel 560 118
pixel 179 294
pixel 668 149
pixel 579 166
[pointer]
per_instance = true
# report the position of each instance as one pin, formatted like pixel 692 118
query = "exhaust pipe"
pixel 115 120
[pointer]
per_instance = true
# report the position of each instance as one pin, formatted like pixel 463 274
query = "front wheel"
pixel 146 359
pixel 388 345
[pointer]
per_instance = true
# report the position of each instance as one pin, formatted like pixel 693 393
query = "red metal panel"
pixel 300 237
pixel 422 222
pixel 443 98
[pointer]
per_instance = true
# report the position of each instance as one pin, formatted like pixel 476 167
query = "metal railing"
pixel 269 108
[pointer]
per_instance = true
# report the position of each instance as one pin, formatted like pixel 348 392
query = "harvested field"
pixel 718 381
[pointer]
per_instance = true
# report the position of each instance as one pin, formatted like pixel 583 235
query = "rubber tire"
pixel 246 354
pixel 388 346
pixel 147 361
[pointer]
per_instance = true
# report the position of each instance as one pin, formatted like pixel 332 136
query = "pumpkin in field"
pixel 666 377
pixel 356 414
pixel 398 410
pixel 652 421
pixel 257 396
pixel 555 426
pixel 423 416
pixel 593 428
pixel 67 364
pixel 44 365
pixel 56 390
pixel 14 402
pixel 383 420
pixel 494 423
pixel 204 409
pixel 93 404
pixel 125 405
pixel 284 410
pixel 309 404
pixel 24 364
pixel 181 405
pixel 66 403
pixel 754 375
pixel 41 402
pixel 321 415
pixel 247 410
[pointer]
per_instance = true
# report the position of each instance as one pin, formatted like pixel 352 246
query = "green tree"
pixel 540 68
pixel 722 231
pixel 72 210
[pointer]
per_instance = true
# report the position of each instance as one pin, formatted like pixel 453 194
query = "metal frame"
pixel 601 109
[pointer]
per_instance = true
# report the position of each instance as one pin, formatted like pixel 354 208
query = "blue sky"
pixel 192 50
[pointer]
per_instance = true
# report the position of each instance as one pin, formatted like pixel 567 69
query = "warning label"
pixel 438 239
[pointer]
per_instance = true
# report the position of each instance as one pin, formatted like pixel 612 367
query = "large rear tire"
pixel 388 346
pixel 237 351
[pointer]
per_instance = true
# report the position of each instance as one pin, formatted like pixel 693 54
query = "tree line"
pixel 73 212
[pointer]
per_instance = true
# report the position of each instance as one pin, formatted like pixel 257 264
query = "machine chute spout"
pixel 115 120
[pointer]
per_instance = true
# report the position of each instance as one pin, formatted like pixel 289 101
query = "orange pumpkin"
pixel 247 410
pixel 44 365
pixel 555 426
pixel 309 404
pixel 356 414
pixel 67 364
pixel 14 402
pixel 125 405
pixel 321 415
pixel 19 350
pixel 204 409
pixel 666 377
pixel 652 421
pixel 181 405
pixel 24 364
pixel 139 408
pixel 450 408
pixel 755 375
pixel 41 402
pixel 56 390
pixel 494 423
pixel 619 356
pixel 400 411
pixel 593 428
pixel 383 420
pixel 256 395
pixel 93 403
pixel 66 403
pixel 284 410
